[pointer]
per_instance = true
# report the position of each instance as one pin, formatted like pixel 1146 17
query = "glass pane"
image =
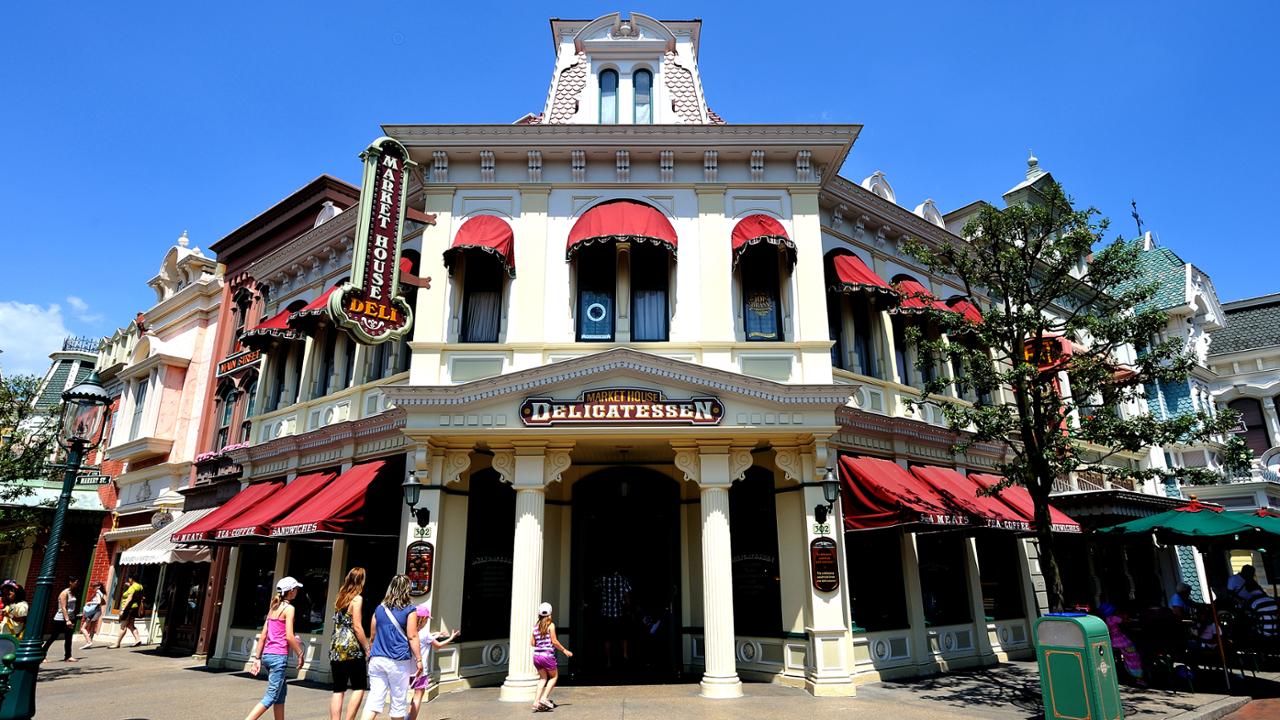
pixel 486 580
pixel 757 591
pixel 608 97
pixel 255 582
pixel 139 403
pixel 943 585
pixel 309 565
pixel 597 271
pixel 761 313
pixel 644 97
pixel 482 298
pixel 877 594
pixel 1001 581
pixel 650 275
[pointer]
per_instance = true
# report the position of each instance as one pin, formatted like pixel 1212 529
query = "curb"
pixel 1214 710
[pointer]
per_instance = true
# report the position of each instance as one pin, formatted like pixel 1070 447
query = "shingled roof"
pixel 1250 325
pixel 1168 271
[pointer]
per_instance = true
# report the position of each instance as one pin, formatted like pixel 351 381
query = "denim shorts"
pixel 276 686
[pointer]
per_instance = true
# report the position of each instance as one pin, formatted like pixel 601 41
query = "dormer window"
pixel 643 82
pixel 609 97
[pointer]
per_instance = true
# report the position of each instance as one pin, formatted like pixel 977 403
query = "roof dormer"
pixel 624 71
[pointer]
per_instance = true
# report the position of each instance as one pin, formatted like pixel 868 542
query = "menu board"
pixel 825 564
pixel 418 564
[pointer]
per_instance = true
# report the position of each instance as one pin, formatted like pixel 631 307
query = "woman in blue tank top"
pixel 393 660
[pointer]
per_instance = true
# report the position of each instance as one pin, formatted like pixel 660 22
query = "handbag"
pixel 345 644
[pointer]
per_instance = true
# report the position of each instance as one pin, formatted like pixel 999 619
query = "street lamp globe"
pixel 84 409
pixel 830 487
pixel 412 490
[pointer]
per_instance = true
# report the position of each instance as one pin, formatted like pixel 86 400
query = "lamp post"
pixel 83 410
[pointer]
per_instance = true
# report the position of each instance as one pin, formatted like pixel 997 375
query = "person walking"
pixel 272 649
pixel 64 621
pixel 92 619
pixel 427 641
pixel 130 608
pixel 545 643
pixel 393 660
pixel 349 650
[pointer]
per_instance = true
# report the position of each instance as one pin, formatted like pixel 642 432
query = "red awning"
pixel 1017 498
pixel 916 299
pixel 964 493
pixel 851 274
pixel 488 233
pixel 756 229
pixel 314 311
pixel 881 493
pixel 343 506
pixel 202 530
pixel 621 221
pixel 256 521
pixel 965 309
pixel 268 331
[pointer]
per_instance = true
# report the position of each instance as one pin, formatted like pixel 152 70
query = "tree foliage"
pixel 1065 340
pixel 28 441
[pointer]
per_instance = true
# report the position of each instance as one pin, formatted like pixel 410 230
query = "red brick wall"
pixel 79 536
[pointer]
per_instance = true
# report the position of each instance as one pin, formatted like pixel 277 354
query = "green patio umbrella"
pixel 1264 519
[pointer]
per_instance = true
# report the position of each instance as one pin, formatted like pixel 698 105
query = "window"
pixel 943 585
pixel 251 398
pixel 226 410
pixel 877 593
pixel 650 276
pixel 1001 580
pixel 761 290
pixel 239 318
pixel 481 297
pixel 139 404
pixel 255 583
pixel 280 369
pixel 309 563
pixel 757 591
pixel 597 283
pixel 609 97
pixel 900 357
pixel 486 579
pixel 1255 425
pixel 854 322
pixel 348 361
pixel 377 365
pixel 324 369
pixel 146 575
pixel 643 81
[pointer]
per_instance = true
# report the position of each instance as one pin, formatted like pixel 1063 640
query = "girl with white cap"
pixel 272 649
pixel 427 641
pixel 545 645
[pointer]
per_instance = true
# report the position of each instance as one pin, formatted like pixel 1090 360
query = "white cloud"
pixel 28 333
pixel 81 309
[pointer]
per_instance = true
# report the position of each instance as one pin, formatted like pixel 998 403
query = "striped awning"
pixel 160 548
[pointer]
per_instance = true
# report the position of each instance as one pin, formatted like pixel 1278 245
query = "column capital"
pixel 787 458
pixel 687 461
pixel 552 457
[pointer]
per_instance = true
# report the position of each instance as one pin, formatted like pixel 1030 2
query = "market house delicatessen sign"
pixel 369 306
pixel 621 406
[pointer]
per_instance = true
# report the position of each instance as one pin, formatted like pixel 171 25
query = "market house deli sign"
pixel 370 307
pixel 621 406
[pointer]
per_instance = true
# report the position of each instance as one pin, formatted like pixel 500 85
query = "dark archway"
pixel 626 520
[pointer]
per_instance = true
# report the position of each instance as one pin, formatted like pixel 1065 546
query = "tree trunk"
pixel 1048 556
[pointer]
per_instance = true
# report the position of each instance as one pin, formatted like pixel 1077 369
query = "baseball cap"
pixel 544 609
pixel 287 584
pixel 424 610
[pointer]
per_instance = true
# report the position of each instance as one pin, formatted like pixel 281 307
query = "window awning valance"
pixel 916 299
pixel 1017 497
pixel 851 274
pixel 487 233
pixel 342 508
pixel 314 311
pixel 255 522
pixel 966 310
pixel 987 511
pixel 881 493
pixel 203 529
pixel 270 330
pixel 756 229
pixel 621 221
pixel 161 549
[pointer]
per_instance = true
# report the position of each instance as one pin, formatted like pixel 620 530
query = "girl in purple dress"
pixel 1122 643
pixel 545 645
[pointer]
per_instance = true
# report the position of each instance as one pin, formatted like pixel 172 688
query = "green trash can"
pixel 1077 669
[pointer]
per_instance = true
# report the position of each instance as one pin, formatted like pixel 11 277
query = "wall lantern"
pixel 412 495
pixel 830 493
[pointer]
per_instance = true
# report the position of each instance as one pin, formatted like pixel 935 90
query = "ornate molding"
pixel 689 462
pixel 535 166
pixel 710 165
pixel 439 166
pixel 487 163
pixel 757 165
pixel 556 461
pixel 578 165
pixel 740 459
pixel 622 159
pixel 456 462
pixel 788 461
pixel 504 463
pixel 666 165
pixel 804 166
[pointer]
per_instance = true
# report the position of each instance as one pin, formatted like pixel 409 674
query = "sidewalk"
pixel 139 685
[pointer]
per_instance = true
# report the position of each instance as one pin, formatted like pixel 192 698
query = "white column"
pixel 973 576
pixel 921 652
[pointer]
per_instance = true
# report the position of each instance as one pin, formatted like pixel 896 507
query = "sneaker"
pixel 86 647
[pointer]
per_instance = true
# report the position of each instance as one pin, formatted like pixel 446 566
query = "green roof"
pixel 51 393
pixel 1255 326
pixel 1168 271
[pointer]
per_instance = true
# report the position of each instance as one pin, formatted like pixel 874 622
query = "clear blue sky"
pixel 123 126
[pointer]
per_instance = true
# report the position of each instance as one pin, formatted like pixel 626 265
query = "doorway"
pixel 183 605
pixel 625 582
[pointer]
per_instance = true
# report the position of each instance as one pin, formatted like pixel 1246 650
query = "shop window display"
pixel 486 583
pixel 757 591
pixel 943 586
pixel 877 595
pixel 309 563
pixel 255 581
pixel 1001 581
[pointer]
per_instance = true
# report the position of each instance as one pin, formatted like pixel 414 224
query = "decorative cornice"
pixel 337 434
pixel 447 136
pixel 583 368
pixel 302 246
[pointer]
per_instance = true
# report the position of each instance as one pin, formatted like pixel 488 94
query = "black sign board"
pixel 418 564
pixel 92 480
pixel 825 564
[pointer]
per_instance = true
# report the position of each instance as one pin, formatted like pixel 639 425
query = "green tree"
pixel 1050 314
pixel 28 441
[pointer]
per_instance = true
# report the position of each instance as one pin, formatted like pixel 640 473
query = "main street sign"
pixel 627 406
pixel 369 306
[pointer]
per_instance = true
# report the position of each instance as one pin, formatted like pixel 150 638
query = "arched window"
pixel 761 293
pixel 324 366
pixel 597 284
pixel 608 97
pixel 239 318
pixel 250 407
pixel 914 368
pixel 226 411
pixel 1255 424
pixel 855 297
pixel 643 81
pixel 650 278
pixel 482 275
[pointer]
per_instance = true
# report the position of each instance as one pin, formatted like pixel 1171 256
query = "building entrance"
pixel 625 586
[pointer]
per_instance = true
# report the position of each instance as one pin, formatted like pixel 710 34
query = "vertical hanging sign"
pixel 369 306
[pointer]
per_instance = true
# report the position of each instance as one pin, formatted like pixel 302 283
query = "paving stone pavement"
pixel 141 685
